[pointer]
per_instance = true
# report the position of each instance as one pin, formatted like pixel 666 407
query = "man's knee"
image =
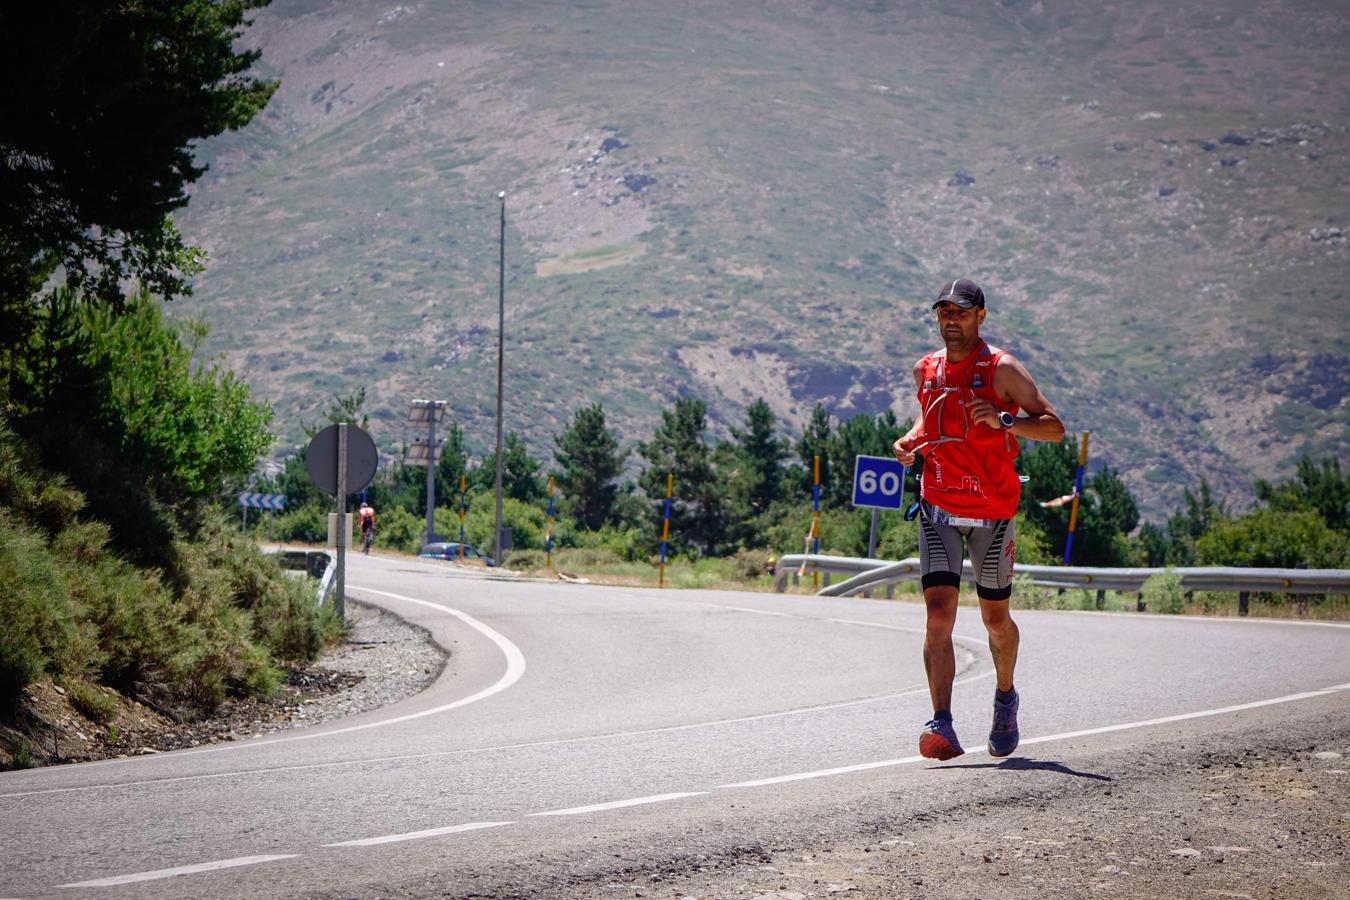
pixel 996 614
pixel 941 600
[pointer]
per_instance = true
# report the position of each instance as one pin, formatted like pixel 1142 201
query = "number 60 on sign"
pixel 878 482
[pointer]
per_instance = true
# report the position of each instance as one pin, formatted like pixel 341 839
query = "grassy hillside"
pixel 762 198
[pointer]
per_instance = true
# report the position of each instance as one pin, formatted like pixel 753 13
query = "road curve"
pixel 569 707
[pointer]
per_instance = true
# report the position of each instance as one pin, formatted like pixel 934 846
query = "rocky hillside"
pixel 762 198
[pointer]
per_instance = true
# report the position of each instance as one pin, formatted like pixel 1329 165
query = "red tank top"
pixel 972 475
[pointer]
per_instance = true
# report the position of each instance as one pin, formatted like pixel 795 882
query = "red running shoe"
pixel 938 740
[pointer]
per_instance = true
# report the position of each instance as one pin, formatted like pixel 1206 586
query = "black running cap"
pixel 963 293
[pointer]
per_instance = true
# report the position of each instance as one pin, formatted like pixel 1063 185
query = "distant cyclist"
pixel 970 395
pixel 367 514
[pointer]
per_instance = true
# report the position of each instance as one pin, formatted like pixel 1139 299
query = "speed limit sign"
pixel 878 481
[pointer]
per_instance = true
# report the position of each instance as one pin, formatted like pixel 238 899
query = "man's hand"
pixel 982 412
pixel 903 449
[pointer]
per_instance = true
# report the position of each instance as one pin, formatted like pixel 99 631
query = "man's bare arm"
pixel 904 447
pixel 1012 382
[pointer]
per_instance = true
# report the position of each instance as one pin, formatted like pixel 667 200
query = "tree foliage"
pixel 146 431
pixel 680 448
pixel 587 453
pixel 102 103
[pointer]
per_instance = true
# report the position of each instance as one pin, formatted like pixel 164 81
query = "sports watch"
pixel 1006 418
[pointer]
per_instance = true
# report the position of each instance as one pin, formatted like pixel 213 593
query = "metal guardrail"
pixel 314 563
pixel 327 582
pixel 869 574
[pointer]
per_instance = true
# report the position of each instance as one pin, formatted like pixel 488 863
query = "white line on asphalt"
pixel 403 757
pixel 1044 739
pixel 619 804
pixel 1205 620
pixel 418 835
pixel 177 870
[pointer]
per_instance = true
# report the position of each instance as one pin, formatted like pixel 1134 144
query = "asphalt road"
pixel 577 720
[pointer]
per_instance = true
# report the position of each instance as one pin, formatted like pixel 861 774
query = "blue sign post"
pixel 878 482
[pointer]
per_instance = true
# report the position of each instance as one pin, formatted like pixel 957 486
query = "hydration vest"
pixel 967 467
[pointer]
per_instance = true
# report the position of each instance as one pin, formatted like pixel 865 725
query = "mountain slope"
pixel 762 198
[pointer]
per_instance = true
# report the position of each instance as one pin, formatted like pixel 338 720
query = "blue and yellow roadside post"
pixel 1077 490
pixel 463 488
pixel 548 531
pixel 665 529
pixel 815 520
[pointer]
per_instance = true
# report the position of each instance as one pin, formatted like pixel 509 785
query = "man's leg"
pixel 1003 640
pixel 939 659
pixel 994 548
pixel 940 563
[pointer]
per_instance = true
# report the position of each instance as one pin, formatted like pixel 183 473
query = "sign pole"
pixel 243 529
pixel 340 597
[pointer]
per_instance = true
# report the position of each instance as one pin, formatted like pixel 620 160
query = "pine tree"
pixel 520 472
pixel 679 448
pixel 761 454
pixel 590 461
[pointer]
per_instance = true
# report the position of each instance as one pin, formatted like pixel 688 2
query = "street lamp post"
pixel 501 334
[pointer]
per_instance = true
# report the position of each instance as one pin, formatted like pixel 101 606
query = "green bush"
pixel 91 701
pixel 748 563
pixel 401 530
pixel 302 525
pixel 1164 593
pixel 76 612
pixel 526 560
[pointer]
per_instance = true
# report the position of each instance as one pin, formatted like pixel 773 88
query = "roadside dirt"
pixel 1257 815
pixel 382 660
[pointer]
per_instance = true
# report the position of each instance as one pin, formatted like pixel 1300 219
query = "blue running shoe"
pixel 1003 736
pixel 938 740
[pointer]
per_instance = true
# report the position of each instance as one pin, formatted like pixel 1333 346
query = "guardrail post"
pixel 1139 604
pixel 1243 598
pixel 1101 598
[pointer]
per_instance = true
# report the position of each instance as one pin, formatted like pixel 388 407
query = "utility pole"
pixel 431 412
pixel 501 342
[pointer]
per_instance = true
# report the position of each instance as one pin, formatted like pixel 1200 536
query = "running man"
pixel 975 401
pixel 367 514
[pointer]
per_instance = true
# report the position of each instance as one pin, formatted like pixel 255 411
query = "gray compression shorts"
pixel 990 542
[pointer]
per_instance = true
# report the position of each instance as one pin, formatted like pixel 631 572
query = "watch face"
pixel 1006 418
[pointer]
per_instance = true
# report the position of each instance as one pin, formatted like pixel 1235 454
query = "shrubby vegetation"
pixel 116 439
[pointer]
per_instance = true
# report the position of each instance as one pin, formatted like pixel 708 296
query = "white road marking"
pixel 436 754
pixel 418 835
pixel 619 804
pixel 1045 739
pixel 177 870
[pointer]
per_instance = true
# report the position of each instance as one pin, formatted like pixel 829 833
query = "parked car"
pixel 450 550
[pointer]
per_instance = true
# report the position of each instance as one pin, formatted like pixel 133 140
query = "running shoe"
pixel 938 740
pixel 1003 736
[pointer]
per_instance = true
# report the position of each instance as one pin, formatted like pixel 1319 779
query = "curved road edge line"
pixel 1044 739
pixel 515 668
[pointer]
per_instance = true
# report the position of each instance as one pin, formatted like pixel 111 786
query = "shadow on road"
pixel 1023 764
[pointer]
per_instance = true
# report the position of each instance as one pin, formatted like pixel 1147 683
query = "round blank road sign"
pixel 322 455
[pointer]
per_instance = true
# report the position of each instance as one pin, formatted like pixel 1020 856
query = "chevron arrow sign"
pixel 263 501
